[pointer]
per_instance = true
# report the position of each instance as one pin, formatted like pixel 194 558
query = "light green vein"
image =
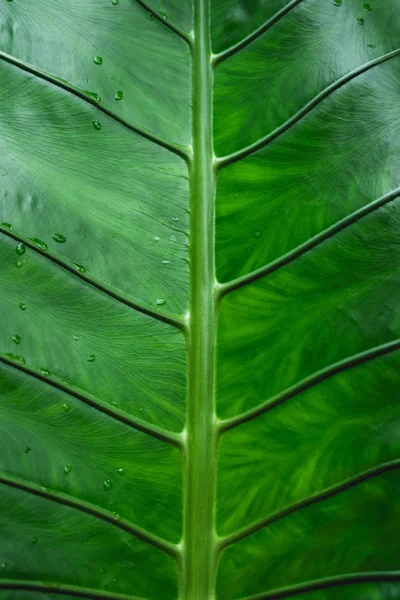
pixel 328 582
pixel 218 58
pixel 270 137
pixel 309 382
pixel 179 32
pixel 68 87
pixel 314 499
pixel 62 590
pixel 226 288
pixel 103 287
pixel 93 402
pixel 90 509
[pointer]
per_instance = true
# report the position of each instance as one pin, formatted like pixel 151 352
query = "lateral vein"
pixel 230 286
pixel 93 402
pixel 179 32
pixel 309 382
pixel 218 58
pixel 270 137
pixel 106 289
pixel 62 589
pixel 92 510
pixel 314 499
pixel 328 582
pixel 40 73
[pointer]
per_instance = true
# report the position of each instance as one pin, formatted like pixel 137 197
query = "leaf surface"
pixel 199 359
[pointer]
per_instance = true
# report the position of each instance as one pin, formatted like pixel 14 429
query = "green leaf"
pixel 199 356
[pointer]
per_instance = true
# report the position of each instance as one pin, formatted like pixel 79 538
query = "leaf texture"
pixel 199 258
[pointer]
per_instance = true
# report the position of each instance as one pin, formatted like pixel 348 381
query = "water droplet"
pixel 150 16
pixel 338 2
pixel 115 580
pixel 173 238
pixel 119 95
pixel 27 450
pixel 164 15
pixel 44 371
pixel 367 8
pixel 107 485
pixel 257 233
pixel 156 238
pixel 15 357
pixel 79 268
pixel 97 125
pixel 39 243
pixel 19 263
pixel 94 95
pixel 59 238
pixel 76 337
pixel 115 2
pixel 360 21
pixel 165 262
pixel 117 516
pixel 160 301
pixel 16 338
pixel 121 471
pixel 98 60
pixel 35 540
pixel 20 249
pixel 23 305
pixel 175 219
pixel 66 407
pixel 113 403
pixel 7 226
pixel 91 358
pixel 67 469
pixel 372 45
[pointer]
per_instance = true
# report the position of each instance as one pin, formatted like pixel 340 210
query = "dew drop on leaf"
pixel 367 8
pixel 173 238
pixel 360 20
pixel 338 2
pixel 91 358
pixel 7 226
pixel 39 243
pixel 160 301
pixel 115 2
pixel 107 485
pixel 372 45
pixel 35 540
pixel 97 125
pixel 79 268
pixel 44 371
pixel 66 407
pixel 165 262
pixel 121 471
pixel 27 450
pixel 117 516
pixel 67 469
pixel 156 238
pixel 16 338
pixel 19 263
pixel 23 305
pixel 163 15
pixel 59 238
pixel 119 95
pixel 98 60
pixel 76 338
pixel 15 357
pixel 175 219
pixel 150 16
pixel 20 249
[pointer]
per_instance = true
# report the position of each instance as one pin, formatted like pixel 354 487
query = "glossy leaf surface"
pixel 199 261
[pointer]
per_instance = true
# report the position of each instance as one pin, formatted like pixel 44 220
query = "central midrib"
pixel 199 547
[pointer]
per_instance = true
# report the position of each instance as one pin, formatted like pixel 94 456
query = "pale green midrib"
pixel 199 540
